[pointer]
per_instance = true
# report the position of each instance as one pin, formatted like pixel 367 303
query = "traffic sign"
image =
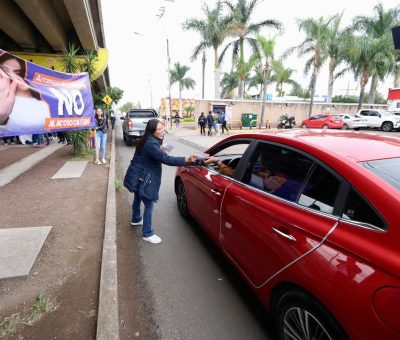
pixel 108 100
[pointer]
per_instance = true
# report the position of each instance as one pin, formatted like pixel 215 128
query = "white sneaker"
pixel 97 162
pixel 137 223
pixel 152 239
pixel 103 161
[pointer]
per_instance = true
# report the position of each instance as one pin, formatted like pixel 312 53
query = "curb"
pixel 107 318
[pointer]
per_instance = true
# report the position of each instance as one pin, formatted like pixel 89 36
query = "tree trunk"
pixel 313 83
pixel 330 80
pixel 217 75
pixel 396 80
pixel 241 63
pixel 203 73
pixel 372 90
pixel 265 73
pixel 363 83
pixel 240 89
pixel 180 100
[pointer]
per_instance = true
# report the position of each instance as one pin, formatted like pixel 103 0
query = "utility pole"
pixel 169 87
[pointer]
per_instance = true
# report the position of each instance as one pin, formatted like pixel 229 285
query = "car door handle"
pixel 281 233
pixel 215 192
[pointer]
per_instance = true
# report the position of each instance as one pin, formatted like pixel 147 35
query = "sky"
pixel 136 37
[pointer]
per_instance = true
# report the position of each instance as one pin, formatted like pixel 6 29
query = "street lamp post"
pixel 169 86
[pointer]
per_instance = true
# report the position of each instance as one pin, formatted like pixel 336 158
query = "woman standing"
pixel 101 137
pixel 146 176
pixel 177 120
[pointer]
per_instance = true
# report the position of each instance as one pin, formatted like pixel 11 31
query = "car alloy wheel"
pixel 181 199
pixel 299 316
pixel 325 127
pixel 387 126
pixel 304 126
pixel 345 127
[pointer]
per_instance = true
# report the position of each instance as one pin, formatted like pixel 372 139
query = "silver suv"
pixel 382 119
pixel 135 122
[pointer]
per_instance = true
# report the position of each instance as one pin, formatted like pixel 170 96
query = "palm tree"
pixel 240 26
pixel 213 33
pixel 379 27
pixel 315 43
pixel 229 84
pixel 335 51
pixel 364 53
pixel 257 80
pixel 265 56
pixel 178 76
pixel 281 75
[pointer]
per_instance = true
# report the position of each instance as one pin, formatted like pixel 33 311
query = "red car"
pixel 311 221
pixel 323 121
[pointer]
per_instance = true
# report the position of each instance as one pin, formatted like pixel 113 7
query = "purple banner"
pixel 34 99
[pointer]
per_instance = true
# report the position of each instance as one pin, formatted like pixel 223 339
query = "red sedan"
pixel 311 221
pixel 323 121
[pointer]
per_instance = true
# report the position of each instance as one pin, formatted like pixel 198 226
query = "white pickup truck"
pixel 381 119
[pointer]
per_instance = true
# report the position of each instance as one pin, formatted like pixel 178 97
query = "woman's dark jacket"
pixel 101 125
pixel 144 173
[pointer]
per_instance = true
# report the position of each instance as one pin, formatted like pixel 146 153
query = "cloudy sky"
pixel 137 37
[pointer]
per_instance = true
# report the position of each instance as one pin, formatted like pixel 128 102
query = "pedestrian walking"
pixel 112 119
pixel 210 123
pixel 143 176
pixel 101 137
pixel 224 121
pixel 177 120
pixel 202 121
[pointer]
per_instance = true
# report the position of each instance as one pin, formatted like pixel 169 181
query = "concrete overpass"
pixel 48 26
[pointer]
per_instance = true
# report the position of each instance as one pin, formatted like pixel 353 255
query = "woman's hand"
pixel 191 159
pixel 7 97
pixel 211 160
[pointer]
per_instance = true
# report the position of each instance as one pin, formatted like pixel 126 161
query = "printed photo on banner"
pixel 34 99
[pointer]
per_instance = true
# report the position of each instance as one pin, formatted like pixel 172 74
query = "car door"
pixel 313 121
pixel 206 187
pixel 263 232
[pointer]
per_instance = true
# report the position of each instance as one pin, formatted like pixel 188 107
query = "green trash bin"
pixel 247 118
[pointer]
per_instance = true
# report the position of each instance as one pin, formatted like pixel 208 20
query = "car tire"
pixel 387 126
pixel 181 199
pixel 325 127
pixel 299 316
pixel 356 129
pixel 303 126
pixel 128 141
pixel 345 127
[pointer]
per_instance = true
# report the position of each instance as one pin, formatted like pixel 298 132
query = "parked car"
pixel 321 251
pixel 353 122
pixel 381 119
pixel 323 121
pixel 135 122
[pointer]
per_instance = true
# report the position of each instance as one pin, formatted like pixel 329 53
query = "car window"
pixel 335 117
pixel 357 209
pixel 314 117
pixel 320 191
pixel 374 113
pixel 387 169
pixel 141 114
pixel 277 170
pixel 364 113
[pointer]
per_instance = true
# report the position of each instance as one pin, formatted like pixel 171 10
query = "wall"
pixel 273 110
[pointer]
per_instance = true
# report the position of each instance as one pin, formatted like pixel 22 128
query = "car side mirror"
pixel 380 116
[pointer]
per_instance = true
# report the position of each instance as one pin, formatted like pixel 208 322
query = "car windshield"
pixel 141 114
pixel 387 169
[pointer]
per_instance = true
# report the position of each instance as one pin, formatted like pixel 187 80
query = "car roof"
pixel 354 146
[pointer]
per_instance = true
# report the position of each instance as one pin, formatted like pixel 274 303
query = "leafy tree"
pixel 189 110
pixel 126 107
pixel 240 26
pixel 298 91
pixel 379 27
pixel 257 80
pixel 178 76
pixel 229 84
pixel 281 76
pixel 213 32
pixel 314 44
pixel 69 61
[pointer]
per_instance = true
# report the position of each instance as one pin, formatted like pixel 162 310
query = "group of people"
pixel 211 121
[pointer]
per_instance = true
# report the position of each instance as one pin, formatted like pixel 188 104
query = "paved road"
pixel 195 292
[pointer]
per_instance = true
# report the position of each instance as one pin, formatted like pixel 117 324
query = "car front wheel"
pixel 181 199
pixel 299 316
pixel 387 126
